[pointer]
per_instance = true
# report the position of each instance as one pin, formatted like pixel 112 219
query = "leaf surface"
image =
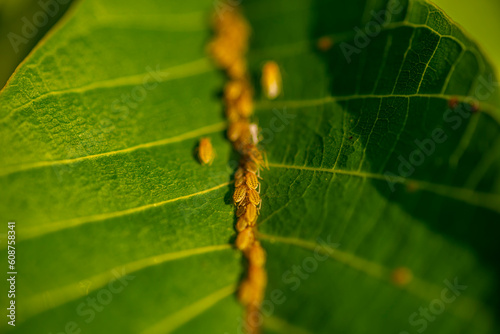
pixel 101 121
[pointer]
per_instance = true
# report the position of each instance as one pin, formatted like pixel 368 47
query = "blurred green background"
pixel 12 13
pixel 479 18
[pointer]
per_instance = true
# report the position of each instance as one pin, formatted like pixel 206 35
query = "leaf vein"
pixel 470 196
pixel 188 135
pixel 39 230
pixel 53 298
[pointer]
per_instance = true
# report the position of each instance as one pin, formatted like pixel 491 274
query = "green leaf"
pixel 99 127
pixel 484 11
pixel 22 24
pixel 98 171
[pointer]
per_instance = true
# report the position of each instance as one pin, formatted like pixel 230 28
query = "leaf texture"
pixel 99 127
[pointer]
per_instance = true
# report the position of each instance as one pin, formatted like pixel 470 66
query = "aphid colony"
pixel 228 49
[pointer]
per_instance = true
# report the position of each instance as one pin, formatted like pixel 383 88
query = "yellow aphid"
pixel 271 80
pixel 232 36
pixel 256 255
pixel 242 141
pixel 206 153
pixel 240 193
pixel 258 279
pixel 253 197
pixel 251 180
pixel 252 167
pixel 244 104
pixel 232 25
pixel 241 224
pixel 240 211
pixel 237 129
pixel 250 213
pixel 239 27
pixel 240 173
pixel 253 153
pixel 239 182
pixel 244 239
pixel 257 275
pixel 222 52
pixel 325 43
pixel 237 69
pixel 231 113
pixel 233 90
pixel 253 222
pixel 245 293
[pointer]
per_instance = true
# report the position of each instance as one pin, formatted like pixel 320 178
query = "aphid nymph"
pixel 245 292
pixel 240 211
pixel 256 254
pixel 251 213
pixel 242 224
pixel 254 197
pixel 244 239
pixel 240 194
pixel 206 153
pixel 271 80
pixel 251 180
